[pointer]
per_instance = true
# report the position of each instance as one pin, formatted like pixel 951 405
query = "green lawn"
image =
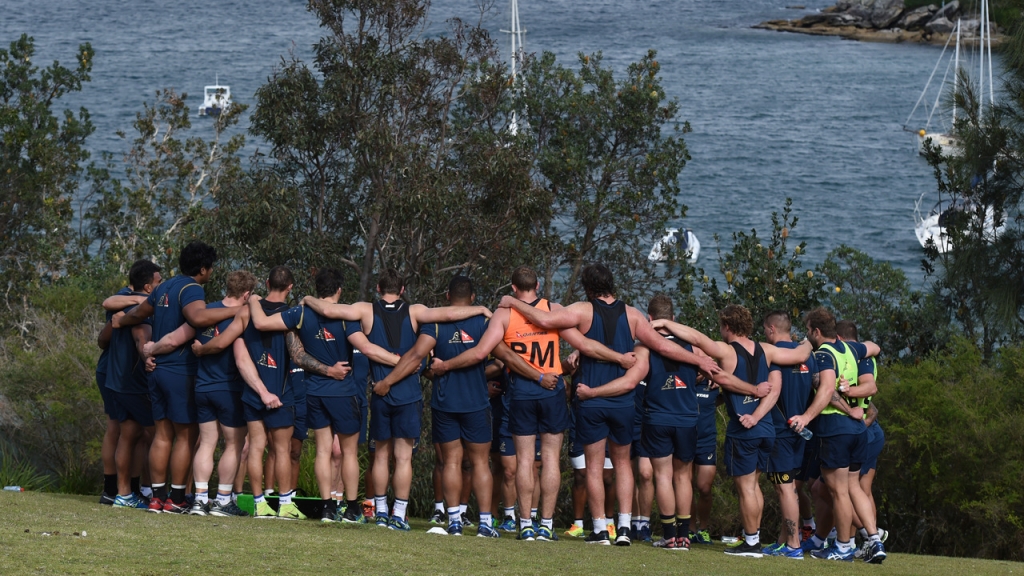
pixel 137 542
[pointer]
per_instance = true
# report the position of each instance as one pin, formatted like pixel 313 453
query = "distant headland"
pixel 887 21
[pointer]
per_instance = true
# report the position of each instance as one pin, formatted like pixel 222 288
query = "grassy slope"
pixel 136 542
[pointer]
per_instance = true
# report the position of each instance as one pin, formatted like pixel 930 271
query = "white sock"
pixel 485 518
pixel 223 498
pixel 510 513
pixel 752 539
pixel 548 523
pixel 875 537
pixel 533 512
pixel 600 525
pixel 863 533
pixel 844 546
pixel 525 523
pixel 286 498
pixel 623 520
pixel 832 533
pixel 463 508
pixel 234 495
pixel 400 508
pixel 439 506
pixel 202 497
pixel 268 492
pixel 817 541
pixel 808 522
pixel 578 522
pixel 147 491
pixel 258 499
pixel 381 503
pixel 454 516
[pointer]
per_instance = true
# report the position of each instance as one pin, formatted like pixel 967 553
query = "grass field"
pixel 136 542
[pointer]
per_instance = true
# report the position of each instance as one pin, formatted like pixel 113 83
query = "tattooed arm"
pixel 303 360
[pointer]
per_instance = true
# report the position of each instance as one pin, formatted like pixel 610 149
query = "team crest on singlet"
pixel 750 399
pixel 267 361
pixel 209 332
pixel 164 302
pixel 673 382
pixel 325 334
pixel 461 337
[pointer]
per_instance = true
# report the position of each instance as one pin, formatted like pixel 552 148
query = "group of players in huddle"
pixel 177 375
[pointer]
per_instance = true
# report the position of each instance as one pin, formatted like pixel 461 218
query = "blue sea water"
pixel 774 115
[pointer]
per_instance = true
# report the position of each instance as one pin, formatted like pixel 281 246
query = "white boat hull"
pixel 930 229
pixel 947 144
pixel 661 248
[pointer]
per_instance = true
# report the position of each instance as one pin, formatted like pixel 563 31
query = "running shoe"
pixel 342 506
pixel 198 509
pixel 623 538
pixel 129 501
pixel 833 553
pixel 171 508
pixel 485 531
pixel 226 510
pixel 611 531
pixel 809 546
pixel 875 554
pixel 545 534
pixel 399 524
pixel 353 517
pixel 600 538
pixel 682 543
pixel 508 524
pixel 667 544
pixel 745 550
pixel 327 516
pixel 466 521
pixel 700 537
pixel 455 529
pixel 527 534
pixel 644 533
pixel 106 499
pixel 785 551
pixel 575 532
pixel 437 517
pixel 264 510
pixel 381 520
pixel 883 535
pixel 290 511
pixel 771 549
pixel 155 505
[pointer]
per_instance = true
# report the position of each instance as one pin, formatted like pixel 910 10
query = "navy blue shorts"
pixel 135 407
pixel 542 416
pixel 596 424
pixel 706 457
pixel 300 431
pixel 679 442
pixel 844 451
pixel 810 468
pixel 506 446
pixel 173 396
pixel 876 441
pixel 110 407
pixel 222 406
pixel 635 449
pixel 744 457
pixel 395 421
pixel 343 414
pixel 473 427
pixel 282 417
pixel 787 454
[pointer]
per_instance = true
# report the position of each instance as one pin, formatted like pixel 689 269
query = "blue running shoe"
pixel 771 549
pixel 399 524
pixel 485 531
pixel 701 537
pixel 507 525
pixel 784 551
pixel 809 546
pixel 644 533
pixel 527 534
pixel 545 534
pixel 455 529
pixel 381 520
pixel 833 553
pixel 875 554
pixel 130 501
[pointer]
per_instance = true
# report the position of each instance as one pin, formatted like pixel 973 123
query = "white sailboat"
pixel 516 56
pixel 943 138
pixel 684 241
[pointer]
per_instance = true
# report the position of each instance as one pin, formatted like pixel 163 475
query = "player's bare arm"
pixel 222 341
pixel 136 316
pixel 555 319
pixel 361 311
pixel 766 403
pixel 646 333
pixel 171 341
pixel 252 376
pixel 423 315
pixel 198 315
pixel 261 321
pixel 122 301
pixel 516 364
pixel 821 399
pixel 303 360
pixel 595 349
pixel 408 364
pixel 103 338
pixel 141 334
pixel 494 334
pixel 373 351
pixel 622 384
pixel 865 387
pixel 787 356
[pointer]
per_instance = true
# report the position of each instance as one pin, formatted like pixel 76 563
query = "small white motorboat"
pixel 216 99
pixel 932 227
pixel 684 241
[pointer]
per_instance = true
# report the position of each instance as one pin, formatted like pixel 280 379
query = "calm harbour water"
pixel 774 115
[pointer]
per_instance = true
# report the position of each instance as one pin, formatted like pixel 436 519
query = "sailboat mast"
pixel 981 71
pixel 516 54
pixel 956 68
pixel 991 90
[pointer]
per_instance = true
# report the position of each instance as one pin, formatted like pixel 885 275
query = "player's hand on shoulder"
pixel 762 389
pixel 147 349
pixel 485 311
pixel 255 298
pixel 708 365
pixel 506 301
pixel 584 392
pixel 659 323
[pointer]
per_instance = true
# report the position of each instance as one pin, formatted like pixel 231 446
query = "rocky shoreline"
pixel 887 21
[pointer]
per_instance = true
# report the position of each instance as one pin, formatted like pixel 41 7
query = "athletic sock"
pixel 160 491
pixel 268 492
pixel 578 522
pixel 874 538
pixel 381 504
pixel 224 494
pixel 683 525
pixel 643 522
pixel 454 516
pixel 510 512
pixel 844 546
pixel 439 507
pixel 147 491
pixel 548 523
pixel 136 484
pixel 833 534
pixel 533 513
pixel 635 523
pixel 600 525
pixel 818 542
pixel 809 522
pixel 485 519
pixel 234 495
pixel 177 493
pixel 863 533
pixel 202 492
pixel 668 527
pixel 463 508
pixel 353 505
pixel 400 506
pixel 525 523
pixel 285 498
pixel 623 521
pixel 110 484
pixel 330 505
pixel 752 539
pixel 258 499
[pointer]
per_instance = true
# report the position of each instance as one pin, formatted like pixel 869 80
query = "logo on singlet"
pixel 673 383
pixel 750 399
pixel 325 334
pixel 209 332
pixel 461 337
pixel 801 369
pixel 164 302
pixel 267 361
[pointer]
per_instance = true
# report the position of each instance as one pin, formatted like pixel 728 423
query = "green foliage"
pixel 950 474
pixel 41 156
pixel 18 471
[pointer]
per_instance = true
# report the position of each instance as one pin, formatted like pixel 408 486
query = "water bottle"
pixel 13 489
pixel 805 433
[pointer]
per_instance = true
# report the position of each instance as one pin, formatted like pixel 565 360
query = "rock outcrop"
pixel 885 21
